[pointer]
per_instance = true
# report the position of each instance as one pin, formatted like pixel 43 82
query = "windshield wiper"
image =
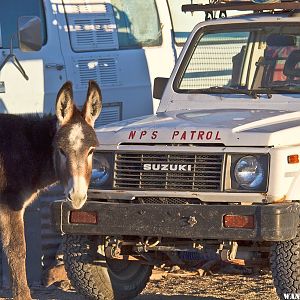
pixel 223 90
pixel 290 88
pixel 14 60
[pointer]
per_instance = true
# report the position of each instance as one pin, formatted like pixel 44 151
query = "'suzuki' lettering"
pixel 167 167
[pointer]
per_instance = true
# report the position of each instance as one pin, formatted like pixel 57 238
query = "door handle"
pixel 58 67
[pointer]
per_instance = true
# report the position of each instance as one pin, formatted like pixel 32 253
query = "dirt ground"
pixel 183 285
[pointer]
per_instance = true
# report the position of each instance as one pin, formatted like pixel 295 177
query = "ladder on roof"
pixel 241 6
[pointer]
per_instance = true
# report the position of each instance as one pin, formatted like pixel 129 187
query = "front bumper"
pixel 272 222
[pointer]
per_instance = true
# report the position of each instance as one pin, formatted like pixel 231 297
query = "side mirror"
pixel 159 87
pixel 30 33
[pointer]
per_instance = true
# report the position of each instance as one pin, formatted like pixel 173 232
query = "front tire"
pixel 101 278
pixel 285 266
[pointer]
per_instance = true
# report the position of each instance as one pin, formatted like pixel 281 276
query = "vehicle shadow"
pixel 57 294
pixel 176 297
pixel 74 296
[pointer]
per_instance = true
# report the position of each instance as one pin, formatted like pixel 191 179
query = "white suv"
pixel 215 173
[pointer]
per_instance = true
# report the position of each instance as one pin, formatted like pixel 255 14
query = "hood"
pixel 232 127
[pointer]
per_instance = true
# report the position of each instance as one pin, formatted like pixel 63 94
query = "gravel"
pixel 229 287
pixel 182 285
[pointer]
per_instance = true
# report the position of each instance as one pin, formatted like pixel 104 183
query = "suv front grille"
pixel 167 200
pixel 176 171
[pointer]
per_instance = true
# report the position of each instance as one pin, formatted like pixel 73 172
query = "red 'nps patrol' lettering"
pixel 179 135
pixel 154 135
pixel 134 135
pixel 196 135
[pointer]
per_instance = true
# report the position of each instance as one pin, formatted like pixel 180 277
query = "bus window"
pixel 183 23
pixel 9 19
pixel 137 23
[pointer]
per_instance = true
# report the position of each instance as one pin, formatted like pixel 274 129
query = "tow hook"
pixel 192 221
pixel 228 250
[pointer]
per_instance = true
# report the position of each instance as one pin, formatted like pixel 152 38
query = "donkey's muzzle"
pixel 76 201
pixel 76 192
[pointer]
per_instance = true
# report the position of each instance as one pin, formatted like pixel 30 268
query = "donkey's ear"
pixel 93 104
pixel 64 103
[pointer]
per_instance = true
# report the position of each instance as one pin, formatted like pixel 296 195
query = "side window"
pixel 137 23
pixel 120 24
pixel 183 23
pixel 9 19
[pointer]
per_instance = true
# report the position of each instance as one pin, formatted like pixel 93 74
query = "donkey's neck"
pixel 41 136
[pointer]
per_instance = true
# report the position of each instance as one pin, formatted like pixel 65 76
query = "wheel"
pixel 285 266
pixel 96 277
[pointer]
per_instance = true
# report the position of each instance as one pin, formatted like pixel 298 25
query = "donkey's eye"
pixel 91 151
pixel 61 151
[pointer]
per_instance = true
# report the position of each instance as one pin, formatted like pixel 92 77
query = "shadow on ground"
pixel 57 294
pixel 178 297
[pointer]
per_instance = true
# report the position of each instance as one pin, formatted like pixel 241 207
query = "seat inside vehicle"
pixel 278 49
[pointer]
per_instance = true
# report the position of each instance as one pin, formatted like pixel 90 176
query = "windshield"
pixel 9 15
pixel 238 61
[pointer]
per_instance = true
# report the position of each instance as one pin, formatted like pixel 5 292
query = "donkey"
pixel 36 152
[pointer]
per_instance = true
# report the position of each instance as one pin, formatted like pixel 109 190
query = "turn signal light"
pixel 83 217
pixel 293 159
pixel 237 221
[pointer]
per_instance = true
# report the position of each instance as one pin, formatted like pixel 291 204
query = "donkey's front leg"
pixel 13 238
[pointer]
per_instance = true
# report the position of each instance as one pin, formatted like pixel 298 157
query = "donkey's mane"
pixel 25 154
pixel 36 116
pixel 27 119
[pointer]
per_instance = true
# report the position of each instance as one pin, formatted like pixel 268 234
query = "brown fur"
pixel 30 160
pixel 55 274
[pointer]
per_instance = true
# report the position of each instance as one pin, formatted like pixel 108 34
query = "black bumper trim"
pixel 273 222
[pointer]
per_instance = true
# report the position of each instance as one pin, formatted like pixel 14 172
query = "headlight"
pixel 249 172
pixel 102 170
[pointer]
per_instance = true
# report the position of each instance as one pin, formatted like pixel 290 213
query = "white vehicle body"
pixel 85 40
pixel 237 123
pixel 104 40
pixel 217 168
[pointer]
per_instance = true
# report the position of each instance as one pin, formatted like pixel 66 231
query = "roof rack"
pixel 242 6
